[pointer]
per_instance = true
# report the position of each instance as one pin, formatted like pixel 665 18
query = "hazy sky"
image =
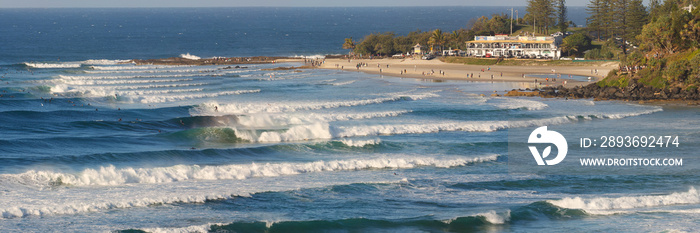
pixel 243 3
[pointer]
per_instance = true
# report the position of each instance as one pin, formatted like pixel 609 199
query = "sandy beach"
pixel 436 69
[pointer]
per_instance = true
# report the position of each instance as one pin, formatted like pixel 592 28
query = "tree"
pixel 654 8
pixel 437 38
pixel 499 24
pixel 594 21
pixel 658 36
pixel 637 17
pixel 562 15
pixel 575 44
pixel 349 44
pixel 691 33
pixel 619 21
pixel 542 12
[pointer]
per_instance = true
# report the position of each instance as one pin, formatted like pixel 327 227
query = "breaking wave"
pixel 236 108
pixel 112 176
pixel 609 204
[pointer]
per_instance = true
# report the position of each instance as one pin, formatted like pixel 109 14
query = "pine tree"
pixel 562 15
pixel 618 19
pixel 543 13
pixel 654 7
pixel 637 17
pixel 594 21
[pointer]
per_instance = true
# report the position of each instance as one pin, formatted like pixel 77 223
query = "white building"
pixel 518 46
pixel 689 8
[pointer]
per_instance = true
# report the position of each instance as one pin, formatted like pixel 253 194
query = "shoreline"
pixel 436 69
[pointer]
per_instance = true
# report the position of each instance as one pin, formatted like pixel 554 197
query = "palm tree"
pixel 437 38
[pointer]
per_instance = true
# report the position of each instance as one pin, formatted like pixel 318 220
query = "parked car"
pixel 427 57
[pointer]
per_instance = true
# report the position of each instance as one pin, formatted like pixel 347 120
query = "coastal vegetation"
pixel 669 50
pixel 388 43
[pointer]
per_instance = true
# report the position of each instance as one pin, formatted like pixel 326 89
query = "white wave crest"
pixel 53 65
pixel 323 130
pixel 492 217
pixel 112 176
pixel 360 143
pixel 74 64
pixel 190 56
pixel 103 62
pixel 344 83
pixel 271 120
pixel 135 67
pixel 209 108
pixel 630 202
pixel 514 103
pixel 179 97
pixel 428 127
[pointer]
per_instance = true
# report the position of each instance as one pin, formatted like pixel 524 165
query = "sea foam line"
pixel 128 81
pixel 272 120
pixel 213 108
pixel 112 176
pixel 323 130
pixel 603 204
pixel 180 97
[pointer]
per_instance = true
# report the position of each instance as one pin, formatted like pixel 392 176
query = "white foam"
pixel 179 97
pixel 434 127
pixel 628 114
pixel 360 143
pixel 265 120
pixel 75 64
pixel 103 62
pixel 137 68
pixel 495 218
pixel 112 176
pixel 297 133
pixel 187 229
pixel 119 81
pixel 343 83
pixel 323 130
pixel 279 107
pixel 628 202
pixel 53 65
pixel 515 103
pixel 190 56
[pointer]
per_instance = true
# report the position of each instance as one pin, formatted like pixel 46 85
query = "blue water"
pixel 92 145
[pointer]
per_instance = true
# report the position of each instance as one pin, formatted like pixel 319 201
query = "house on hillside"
pixel 517 46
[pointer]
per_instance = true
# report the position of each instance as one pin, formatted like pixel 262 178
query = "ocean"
pixel 93 145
